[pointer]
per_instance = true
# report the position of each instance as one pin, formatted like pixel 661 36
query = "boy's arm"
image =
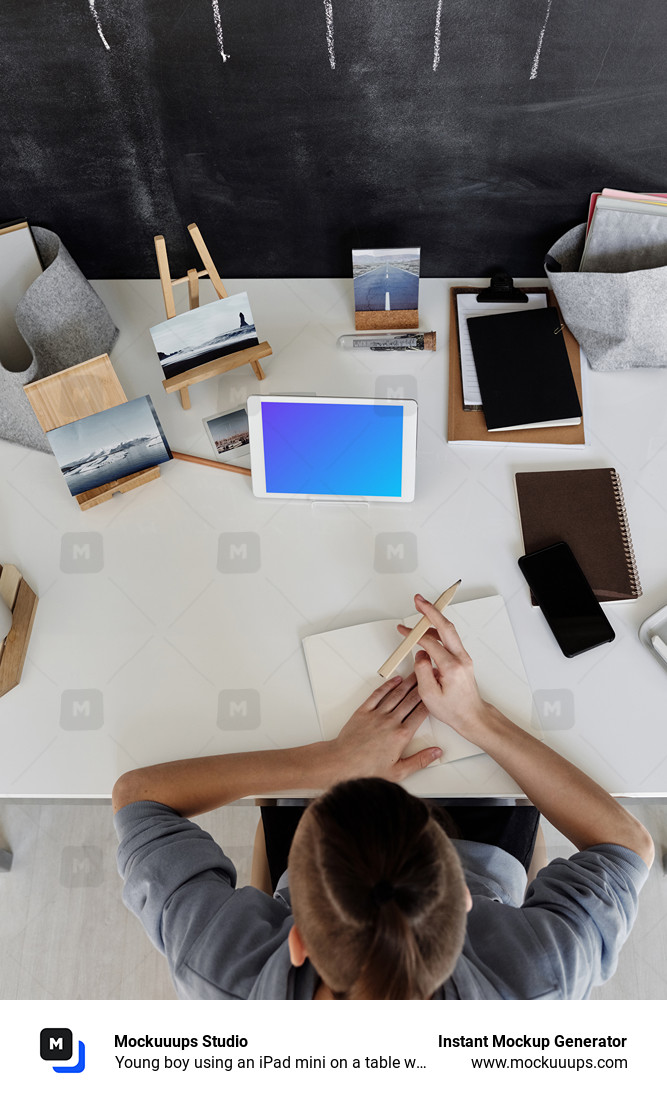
pixel 370 744
pixel 573 803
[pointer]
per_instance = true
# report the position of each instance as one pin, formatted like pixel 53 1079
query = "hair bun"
pixel 383 891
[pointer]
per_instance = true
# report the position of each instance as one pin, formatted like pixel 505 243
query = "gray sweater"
pixel 558 942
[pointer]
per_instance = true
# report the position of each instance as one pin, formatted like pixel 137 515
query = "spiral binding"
pixel 626 536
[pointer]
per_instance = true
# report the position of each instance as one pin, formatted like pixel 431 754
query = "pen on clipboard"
pixel 417 633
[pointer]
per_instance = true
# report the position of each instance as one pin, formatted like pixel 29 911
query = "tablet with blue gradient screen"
pixel 333 448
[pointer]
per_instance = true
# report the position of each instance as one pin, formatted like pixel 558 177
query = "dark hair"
pixel 377 891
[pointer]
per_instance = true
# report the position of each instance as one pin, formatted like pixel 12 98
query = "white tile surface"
pixel 161 629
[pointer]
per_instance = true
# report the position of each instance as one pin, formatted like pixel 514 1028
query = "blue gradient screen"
pixel 335 450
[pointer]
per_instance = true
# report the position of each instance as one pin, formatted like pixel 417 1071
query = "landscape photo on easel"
pixel 229 434
pixel 109 445
pixel 385 278
pixel 204 334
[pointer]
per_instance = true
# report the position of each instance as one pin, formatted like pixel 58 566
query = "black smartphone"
pixel 566 599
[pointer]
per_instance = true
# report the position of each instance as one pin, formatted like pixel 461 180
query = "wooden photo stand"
pixel 22 602
pixel 385 319
pixel 225 363
pixel 79 391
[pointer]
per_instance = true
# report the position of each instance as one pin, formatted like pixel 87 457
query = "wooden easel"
pixel 80 391
pixel 181 382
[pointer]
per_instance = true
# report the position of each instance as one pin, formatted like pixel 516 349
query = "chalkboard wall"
pixel 293 131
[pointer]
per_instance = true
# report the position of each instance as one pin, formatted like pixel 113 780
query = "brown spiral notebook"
pixel 585 509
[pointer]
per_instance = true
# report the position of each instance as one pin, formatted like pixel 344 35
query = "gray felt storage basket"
pixel 64 322
pixel 619 319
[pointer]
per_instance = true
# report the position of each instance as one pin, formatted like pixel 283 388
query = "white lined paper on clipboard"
pixel 468 306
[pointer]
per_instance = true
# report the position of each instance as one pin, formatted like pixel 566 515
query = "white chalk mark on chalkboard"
pixel 601 66
pixel 436 44
pixel 536 59
pixel 91 5
pixel 218 31
pixel 328 15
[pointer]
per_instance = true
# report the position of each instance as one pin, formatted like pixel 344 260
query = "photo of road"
pixel 386 279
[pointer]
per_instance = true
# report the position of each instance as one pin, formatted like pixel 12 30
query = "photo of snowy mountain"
pixel 109 445
pixel 204 334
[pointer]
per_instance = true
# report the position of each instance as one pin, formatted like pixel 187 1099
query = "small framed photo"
pixel 230 436
pixel 386 287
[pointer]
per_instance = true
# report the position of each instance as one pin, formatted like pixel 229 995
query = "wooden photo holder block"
pixel 80 391
pixel 22 602
pixel 224 363
pixel 386 318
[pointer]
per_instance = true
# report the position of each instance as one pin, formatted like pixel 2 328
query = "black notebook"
pixel 524 374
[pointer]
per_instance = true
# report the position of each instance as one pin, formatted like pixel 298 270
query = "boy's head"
pixel 378 892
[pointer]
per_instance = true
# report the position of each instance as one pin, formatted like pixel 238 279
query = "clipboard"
pixel 469 425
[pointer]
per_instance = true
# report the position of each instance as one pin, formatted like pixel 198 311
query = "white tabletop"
pixel 154 641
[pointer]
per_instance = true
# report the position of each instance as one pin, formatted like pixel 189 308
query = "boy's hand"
pixel 445 676
pixel 372 740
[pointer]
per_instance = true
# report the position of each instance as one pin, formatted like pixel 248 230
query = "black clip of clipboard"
pixel 502 289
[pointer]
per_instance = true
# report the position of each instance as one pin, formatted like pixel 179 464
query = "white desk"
pixel 141 650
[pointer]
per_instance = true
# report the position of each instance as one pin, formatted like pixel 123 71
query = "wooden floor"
pixel 65 934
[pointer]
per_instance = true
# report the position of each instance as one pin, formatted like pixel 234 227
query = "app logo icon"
pixel 55 1045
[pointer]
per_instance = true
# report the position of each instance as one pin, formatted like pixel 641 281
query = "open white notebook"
pixel 343 664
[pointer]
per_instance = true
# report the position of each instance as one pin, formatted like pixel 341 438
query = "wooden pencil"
pixel 417 632
pixel 212 462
